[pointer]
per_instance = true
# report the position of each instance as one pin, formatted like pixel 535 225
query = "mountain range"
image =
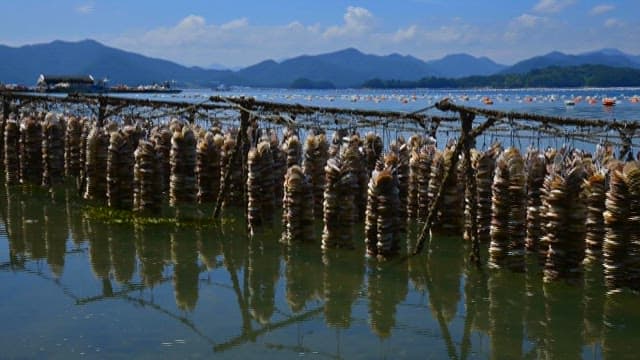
pixel 344 68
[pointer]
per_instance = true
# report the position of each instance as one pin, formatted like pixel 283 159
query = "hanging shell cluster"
pixel 96 164
pixel 595 193
pixel 279 166
pixel 621 247
pixel 182 182
pixel 339 200
pixel 147 191
pixel 316 151
pixel 52 150
pixel 425 163
pixel 30 151
pixel 565 220
pixel 260 199
pixel 120 162
pixel 11 152
pixel 293 149
pixel 372 149
pixel 536 170
pixel 72 147
pixel 3 124
pixel 355 160
pixel 381 222
pixel 401 148
pixel 161 137
pixel 508 212
pixel 297 207
pixel 485 165
pixel 208 167
pixel 412 191
pixel 234 187
pixel 449 217
pixel 86 129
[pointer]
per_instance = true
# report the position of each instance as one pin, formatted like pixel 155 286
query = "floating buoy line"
pixel 560 204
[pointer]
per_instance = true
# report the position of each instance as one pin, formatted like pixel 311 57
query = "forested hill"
pixel 553 76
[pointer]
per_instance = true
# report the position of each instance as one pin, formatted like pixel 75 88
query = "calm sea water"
pixel 543 101
pixel 72 286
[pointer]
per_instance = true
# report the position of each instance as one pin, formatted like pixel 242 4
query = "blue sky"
pixel 243 32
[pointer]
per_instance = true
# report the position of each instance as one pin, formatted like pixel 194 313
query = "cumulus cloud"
pixel 601 9
pixel 552 6
pixel 357 21
pixel 194 40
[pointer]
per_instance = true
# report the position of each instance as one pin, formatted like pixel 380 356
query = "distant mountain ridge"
pixel 606 57
pixel 345 68
pixel 23 65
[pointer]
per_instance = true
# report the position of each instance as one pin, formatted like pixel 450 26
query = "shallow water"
pixel 75 286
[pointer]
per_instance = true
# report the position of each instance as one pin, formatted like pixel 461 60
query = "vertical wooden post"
pixel 426 230
pixel 102 111
pixel 470 185
pixel 241 143
pixel 433 129
pixel 626 152
pixel 6 107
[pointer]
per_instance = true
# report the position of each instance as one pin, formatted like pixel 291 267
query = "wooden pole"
pixel 6 108
pixel 424 235
pixel 237 151
pixel 102 111
pixel 470 185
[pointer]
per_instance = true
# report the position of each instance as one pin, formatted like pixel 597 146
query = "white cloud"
pixel 235 24
pixel 601 9
pixel 613 23
pixel 552 6
pixel 527 21
pixel 85 9
pixel 357 21
pixel 526 25
pixel 405 34
pixel 195 40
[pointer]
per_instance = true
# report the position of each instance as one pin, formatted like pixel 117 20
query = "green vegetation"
pixel 304 83
pixel 554 76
